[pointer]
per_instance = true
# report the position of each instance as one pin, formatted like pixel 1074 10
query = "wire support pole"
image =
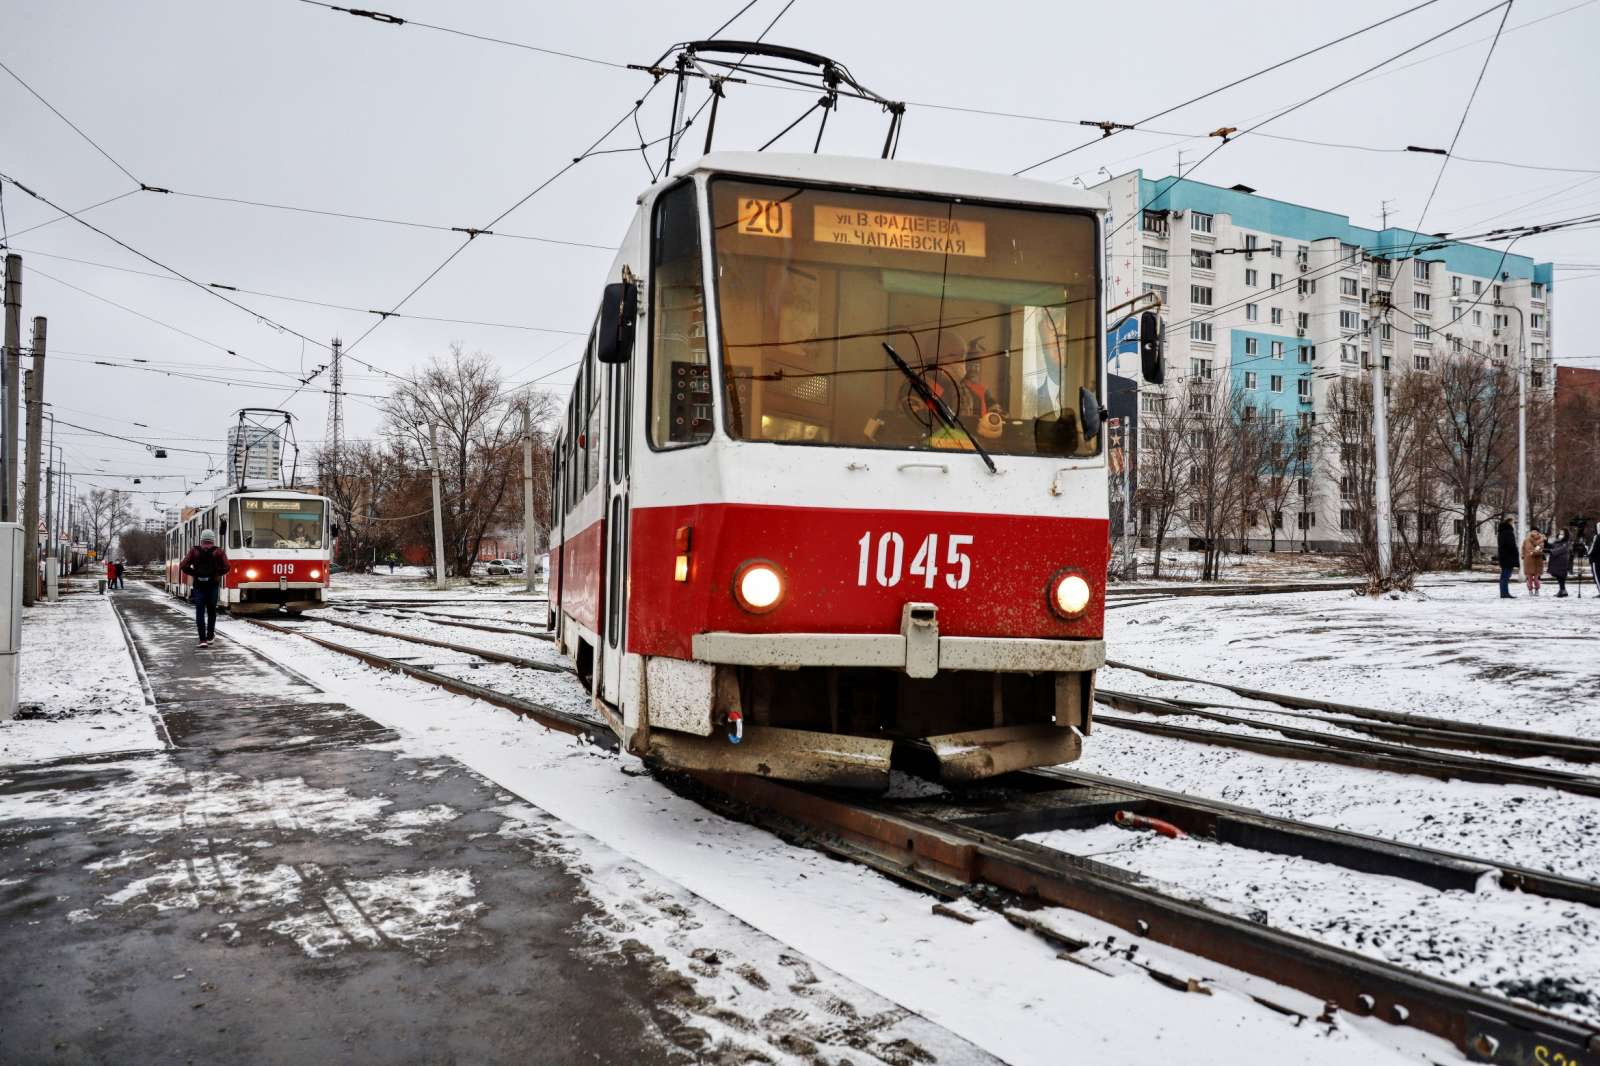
pixel 438 512
pixel 530 545
pixel 8 392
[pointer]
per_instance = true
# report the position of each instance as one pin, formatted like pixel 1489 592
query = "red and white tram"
pixel 830 491
pixel 277 542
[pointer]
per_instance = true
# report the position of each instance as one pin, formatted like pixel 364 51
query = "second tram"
pixel 277 542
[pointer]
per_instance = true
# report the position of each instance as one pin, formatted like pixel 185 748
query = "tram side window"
pixel 591 431
pixel 680 372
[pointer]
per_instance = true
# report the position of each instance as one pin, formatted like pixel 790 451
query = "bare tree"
pixel 381 499
pixel 1218 464
pixel 1576 446
pixel 480 433
pixel 1163 462
pixel 1283 456
pixel 139 546
pixel 105 511
pixel 1473 432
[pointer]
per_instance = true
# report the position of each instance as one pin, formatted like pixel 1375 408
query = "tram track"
pixel 962 849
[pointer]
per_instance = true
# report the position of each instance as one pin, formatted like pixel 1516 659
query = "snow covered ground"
pixel 410 582
pixel 1000 988
pixel 79 692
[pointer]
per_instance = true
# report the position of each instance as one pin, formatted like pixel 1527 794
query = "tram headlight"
pixel 251 574
pixel 759 586
pixel 1068 594
pixel 315 574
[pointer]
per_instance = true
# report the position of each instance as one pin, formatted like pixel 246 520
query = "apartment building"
pixel 1273 297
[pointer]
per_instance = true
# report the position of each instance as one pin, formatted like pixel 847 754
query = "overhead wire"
pixel 75 127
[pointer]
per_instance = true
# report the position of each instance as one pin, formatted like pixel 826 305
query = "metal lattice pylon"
pixel 333 437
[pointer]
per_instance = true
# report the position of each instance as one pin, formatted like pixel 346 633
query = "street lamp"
pixel 1522 411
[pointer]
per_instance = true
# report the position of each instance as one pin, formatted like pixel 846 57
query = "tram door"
pixel 618 414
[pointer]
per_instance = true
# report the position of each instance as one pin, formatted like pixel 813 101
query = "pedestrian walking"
pixel 122 573
pixel 1594 559
pixel 1559 554
pixel 1533 559
pixel 111 574
pixel 1506 555
pixel 206 564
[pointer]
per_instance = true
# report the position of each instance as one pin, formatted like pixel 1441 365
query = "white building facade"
pixel 255 455
pixel 1273 296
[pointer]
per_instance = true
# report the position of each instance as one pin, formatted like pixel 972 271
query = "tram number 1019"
pixel 925 562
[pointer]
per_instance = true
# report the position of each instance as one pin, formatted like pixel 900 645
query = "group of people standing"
pixel 115 568
pixel 1558 554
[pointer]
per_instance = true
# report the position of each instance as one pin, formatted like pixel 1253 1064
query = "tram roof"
pixel 893 175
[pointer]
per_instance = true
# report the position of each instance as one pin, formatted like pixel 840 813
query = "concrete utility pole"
pixel 528 542
pixel 1522 423
pixel 30 487
pixel 13 360
pixel 1376 306
pixel 438 513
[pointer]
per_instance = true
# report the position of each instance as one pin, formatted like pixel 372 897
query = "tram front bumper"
pixel 899 651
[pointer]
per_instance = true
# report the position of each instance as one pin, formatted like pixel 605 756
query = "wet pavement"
pixel 281 886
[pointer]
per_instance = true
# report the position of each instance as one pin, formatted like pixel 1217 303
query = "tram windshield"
pixel 262 522
pixel 995 309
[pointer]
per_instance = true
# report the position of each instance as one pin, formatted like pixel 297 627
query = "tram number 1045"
pixel 887 566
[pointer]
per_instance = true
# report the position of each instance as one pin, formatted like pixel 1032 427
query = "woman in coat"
pixel 1533 560
pixel 1506 555
pixel 1559 552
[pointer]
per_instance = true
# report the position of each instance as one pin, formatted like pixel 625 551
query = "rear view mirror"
pixel 618 310
pixel 1089 412
pixel 1152 348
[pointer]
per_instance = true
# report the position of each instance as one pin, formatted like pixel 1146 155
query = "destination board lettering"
pixel 869 228
pixel 273 505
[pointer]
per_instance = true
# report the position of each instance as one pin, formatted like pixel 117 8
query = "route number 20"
pixel 925 563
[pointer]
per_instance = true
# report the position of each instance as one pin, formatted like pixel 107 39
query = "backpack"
pixel 206 565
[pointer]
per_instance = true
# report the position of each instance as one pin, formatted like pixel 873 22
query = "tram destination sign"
pixel 272 505
pixel 875 228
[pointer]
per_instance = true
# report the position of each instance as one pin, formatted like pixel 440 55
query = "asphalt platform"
pixel 272 888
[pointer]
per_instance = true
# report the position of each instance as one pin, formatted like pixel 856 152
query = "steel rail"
pixel 1571 749
pixel 461 622
pixel 1231 824
pixel 1283 699
pixel 944 856
pixel 465 649
pixel 1313 746
pixel 596 730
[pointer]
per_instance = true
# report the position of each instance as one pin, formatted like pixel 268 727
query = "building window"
pixel 1477 318
pixel 1497 294
pixel 1155 257
pixel 1275 281
pixel 1346 519
pixel 1155 222
pixel 1536 321
pixel 1249 379
pixel 1302 320
pixel 1385 269
pixel 1200 331
pixel 1423 362
pixel 1455 284
pixel 1304 388
pixel 1252 346
pixel 1349 321
pixel 1302 253
pixel 1249 414
pixel 1308 286
pixel 1347 353
pixel 1252 277
pixel 1421 301
pixel 1199 223
pixel 1151 403
pixel 1308 353
pixel 1200 368
pixel 1200 401
pixel 1349 286
pixel 1537 290
pixel 1422 331
pixel 1422 269
pixel 1200 294
pixel 1252 313
pixel 1386 331
pixel 1477 287
pixel 1249 245
pixel 1276 382
pixel 1538 352
pixel 1277 349
pixel 1158 291
pixel 1308 421
pixel 1537 376
pixel 1308 519
pixel 1277 315
pixel 1277 249
pixel 1200 260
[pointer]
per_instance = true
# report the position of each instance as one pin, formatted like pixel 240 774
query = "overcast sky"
pixel 290 103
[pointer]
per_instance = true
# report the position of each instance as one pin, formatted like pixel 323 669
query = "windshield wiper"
pixel 937 405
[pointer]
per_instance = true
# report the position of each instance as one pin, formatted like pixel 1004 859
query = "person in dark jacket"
pixel 206 564
pixel 1594 560
pixel 1558 557
pixel 1506 554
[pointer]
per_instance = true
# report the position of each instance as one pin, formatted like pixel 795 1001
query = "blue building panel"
pixel 1282 219
pixel 1264 366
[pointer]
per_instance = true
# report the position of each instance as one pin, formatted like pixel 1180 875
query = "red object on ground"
pixel 1129 820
